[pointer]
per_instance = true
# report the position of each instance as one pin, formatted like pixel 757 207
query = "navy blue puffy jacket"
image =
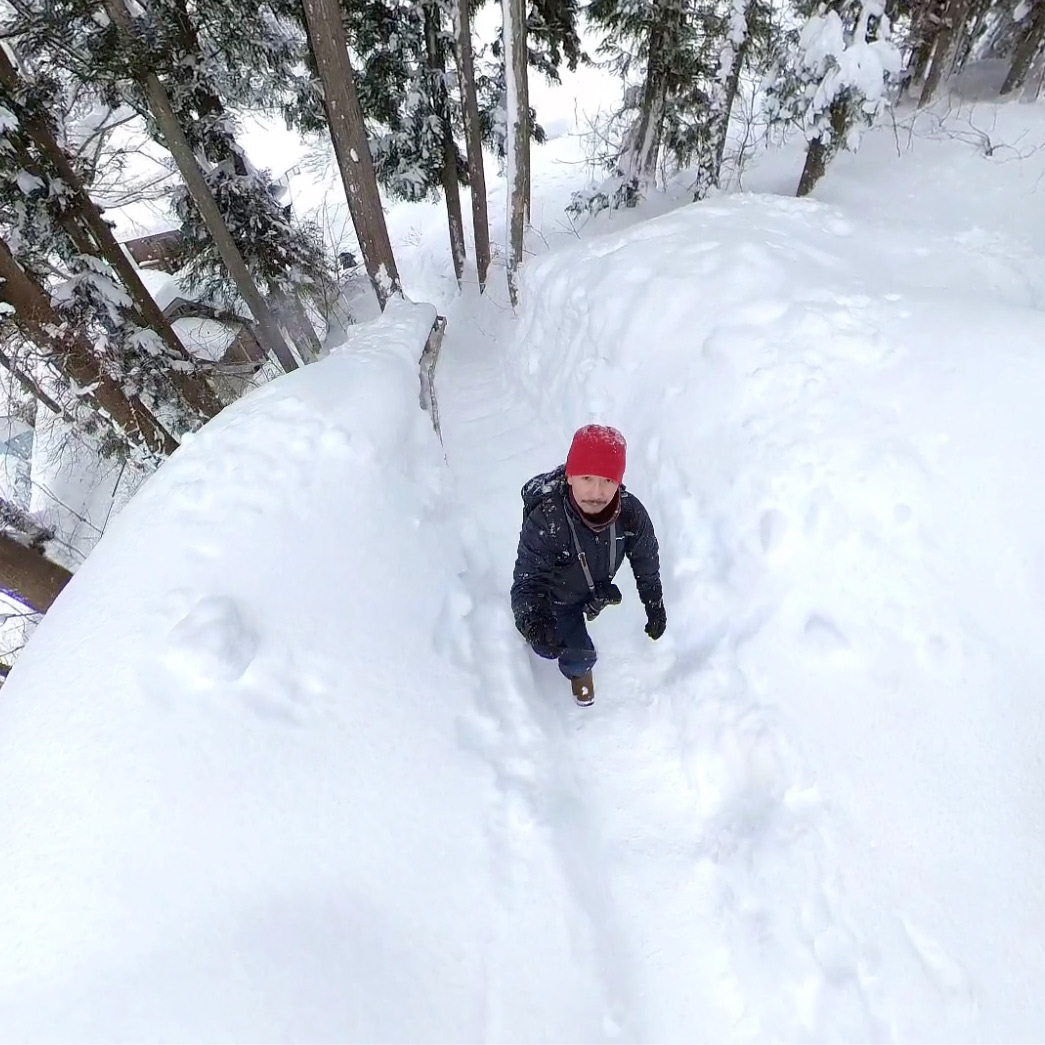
pixel 547 567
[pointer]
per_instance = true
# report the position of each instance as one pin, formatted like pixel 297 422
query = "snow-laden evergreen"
pixel 207 71
pixel 834 78
pixel 43 231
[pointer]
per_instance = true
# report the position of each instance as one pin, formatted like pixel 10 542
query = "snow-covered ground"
pixel 277 766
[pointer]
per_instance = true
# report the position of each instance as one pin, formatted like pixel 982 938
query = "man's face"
pixel 591 492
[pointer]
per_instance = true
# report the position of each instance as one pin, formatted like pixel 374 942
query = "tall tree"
pixel 732 34
pixel 518 135
pixel 822 149
pixel 348 132
pixel 980 14
pixel 413 112
pixel 440 99
pixel 410 113
pixel 179 147
pixel 205 66
pixel 403 95
pixel 658 38
pixel 202 65
pixel 1000 29
pixel 473 138
pixel 834 78
pixel 682 62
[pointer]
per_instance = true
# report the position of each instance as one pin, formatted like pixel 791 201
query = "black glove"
pixel 606 594
pixel 656 619
pixel 539 632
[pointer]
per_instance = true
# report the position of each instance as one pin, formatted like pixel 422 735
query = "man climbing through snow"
pixel 578 524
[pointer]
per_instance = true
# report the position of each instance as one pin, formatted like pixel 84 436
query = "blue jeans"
pixel 578 656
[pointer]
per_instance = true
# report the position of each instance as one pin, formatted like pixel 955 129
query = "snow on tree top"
pixel 856 63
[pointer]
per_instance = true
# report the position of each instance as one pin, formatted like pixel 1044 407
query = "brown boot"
pixel 583 690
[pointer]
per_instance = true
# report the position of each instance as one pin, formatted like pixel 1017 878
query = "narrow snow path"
pixel 643 836
pixel 548 869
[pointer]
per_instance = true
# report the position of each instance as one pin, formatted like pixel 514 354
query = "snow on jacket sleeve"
pixel 644 554
pixel 534 574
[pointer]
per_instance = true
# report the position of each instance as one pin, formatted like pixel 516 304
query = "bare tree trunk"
pixel 814 167
pixel 40 323
pixel 27 576
pixel 820 153
pixel 451 182
pixel 197 394
pixel 348 133
pixel 947 39
pixel 178 145
pixel 516 70
pixel 473 141
pixel 1026 50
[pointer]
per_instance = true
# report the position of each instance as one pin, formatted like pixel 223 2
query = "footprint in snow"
pixel 211 645
pixel 823 636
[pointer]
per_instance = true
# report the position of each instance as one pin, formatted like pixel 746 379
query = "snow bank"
pixel 837 428
pixel 224 778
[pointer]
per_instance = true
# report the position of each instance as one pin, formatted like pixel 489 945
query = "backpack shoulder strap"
pixel 581 557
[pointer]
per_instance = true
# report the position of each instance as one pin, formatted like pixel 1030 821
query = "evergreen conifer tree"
pixel 209 55
pixel 67 301
pixel 46 210
pixel 834 77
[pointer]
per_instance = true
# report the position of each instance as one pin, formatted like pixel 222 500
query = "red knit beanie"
pixel 597 450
